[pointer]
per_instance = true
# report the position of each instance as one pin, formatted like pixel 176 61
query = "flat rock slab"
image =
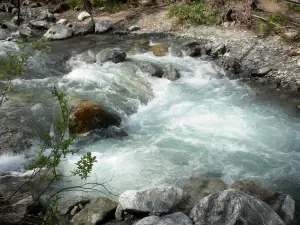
pixel 155 200
pixel 58 32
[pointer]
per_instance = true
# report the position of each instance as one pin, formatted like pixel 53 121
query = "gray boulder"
pixel 154 200
pixel 218 50
pixel 58 32
pixel 191 48
pixel 231 66
pixel 85 27
pixel 25 31
pixel 282 204
pixel 95 212
pixel 103 26
pixel 233 207
pixel 83 15
pixel 10 26
pixel 115 55
pixel 39 24
pixel 66 204
pixel 63 22
pixel 178 218
pixel 170 72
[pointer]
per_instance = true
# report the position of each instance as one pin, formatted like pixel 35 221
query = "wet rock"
pixel 95 212
pixel 115 55
pixel 25 31
pixel 282 204
pixel 154 200
pixel 58 32
pixel 39 24
pixel 83 15
pixel 178 218
pixel 171 73
pixel 159 50
pixel 62 22
pixel 231 66
pixel 261 72
pixel 103 26
pixel 218 50
pixel 233 207
pixel 83 28
pixel 152 69
pixel 115 132
pixel 15 139
pixel 191 48
pixel 62 7
pixel 198 188
pixel 88 116
pixel 14 11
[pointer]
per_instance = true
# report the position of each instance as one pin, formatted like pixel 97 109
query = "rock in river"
pixel 88 116
pixel 115 55
pixel 58 32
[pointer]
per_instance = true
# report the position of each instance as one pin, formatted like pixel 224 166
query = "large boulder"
pixel 231 66
pixel 95 212
pixel 85 27
pixel 103 26
pixel 39 24
pixel 58 32
pixel 178 218
pixel 154 200
pixel 88 116
pixel 233 207
pixel 115 55
pixel 282 204
pixel 15 139
pixel 25 31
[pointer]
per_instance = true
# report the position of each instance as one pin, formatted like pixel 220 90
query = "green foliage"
pixel 293 7
pixel 273 24
pixel 16 64
pixel 85 165
pixel 194 13
pixel 109 6
pixel 76 4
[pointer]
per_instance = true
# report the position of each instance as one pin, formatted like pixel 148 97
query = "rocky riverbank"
pixel 195 201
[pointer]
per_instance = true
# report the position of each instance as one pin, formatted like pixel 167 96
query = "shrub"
pixel 194 13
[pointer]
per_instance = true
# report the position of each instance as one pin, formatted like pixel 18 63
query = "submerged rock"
pixel 115 55
pixel 95 212
pixel 58 32
pixel 154 200
pixel 233 207
pixel 178 218
pixel 159 50
pixel 88 116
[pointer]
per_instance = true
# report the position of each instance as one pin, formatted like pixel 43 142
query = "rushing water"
pixel 196 125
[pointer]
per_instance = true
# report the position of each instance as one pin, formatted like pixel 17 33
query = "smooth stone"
pixel 154 200
pixel 83 15
pixel 178 218
pixel 115 55
pixel 103 26
pixel 58 32
pixel 63 22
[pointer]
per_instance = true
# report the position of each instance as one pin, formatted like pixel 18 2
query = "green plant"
pixel 193 13
pixel 274 23
pixel 293 7
pixel 16 64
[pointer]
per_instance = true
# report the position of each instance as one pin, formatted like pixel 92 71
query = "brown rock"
pixel 159 50
pixel 88 116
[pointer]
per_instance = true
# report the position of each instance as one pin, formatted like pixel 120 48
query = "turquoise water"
pixel 196 125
